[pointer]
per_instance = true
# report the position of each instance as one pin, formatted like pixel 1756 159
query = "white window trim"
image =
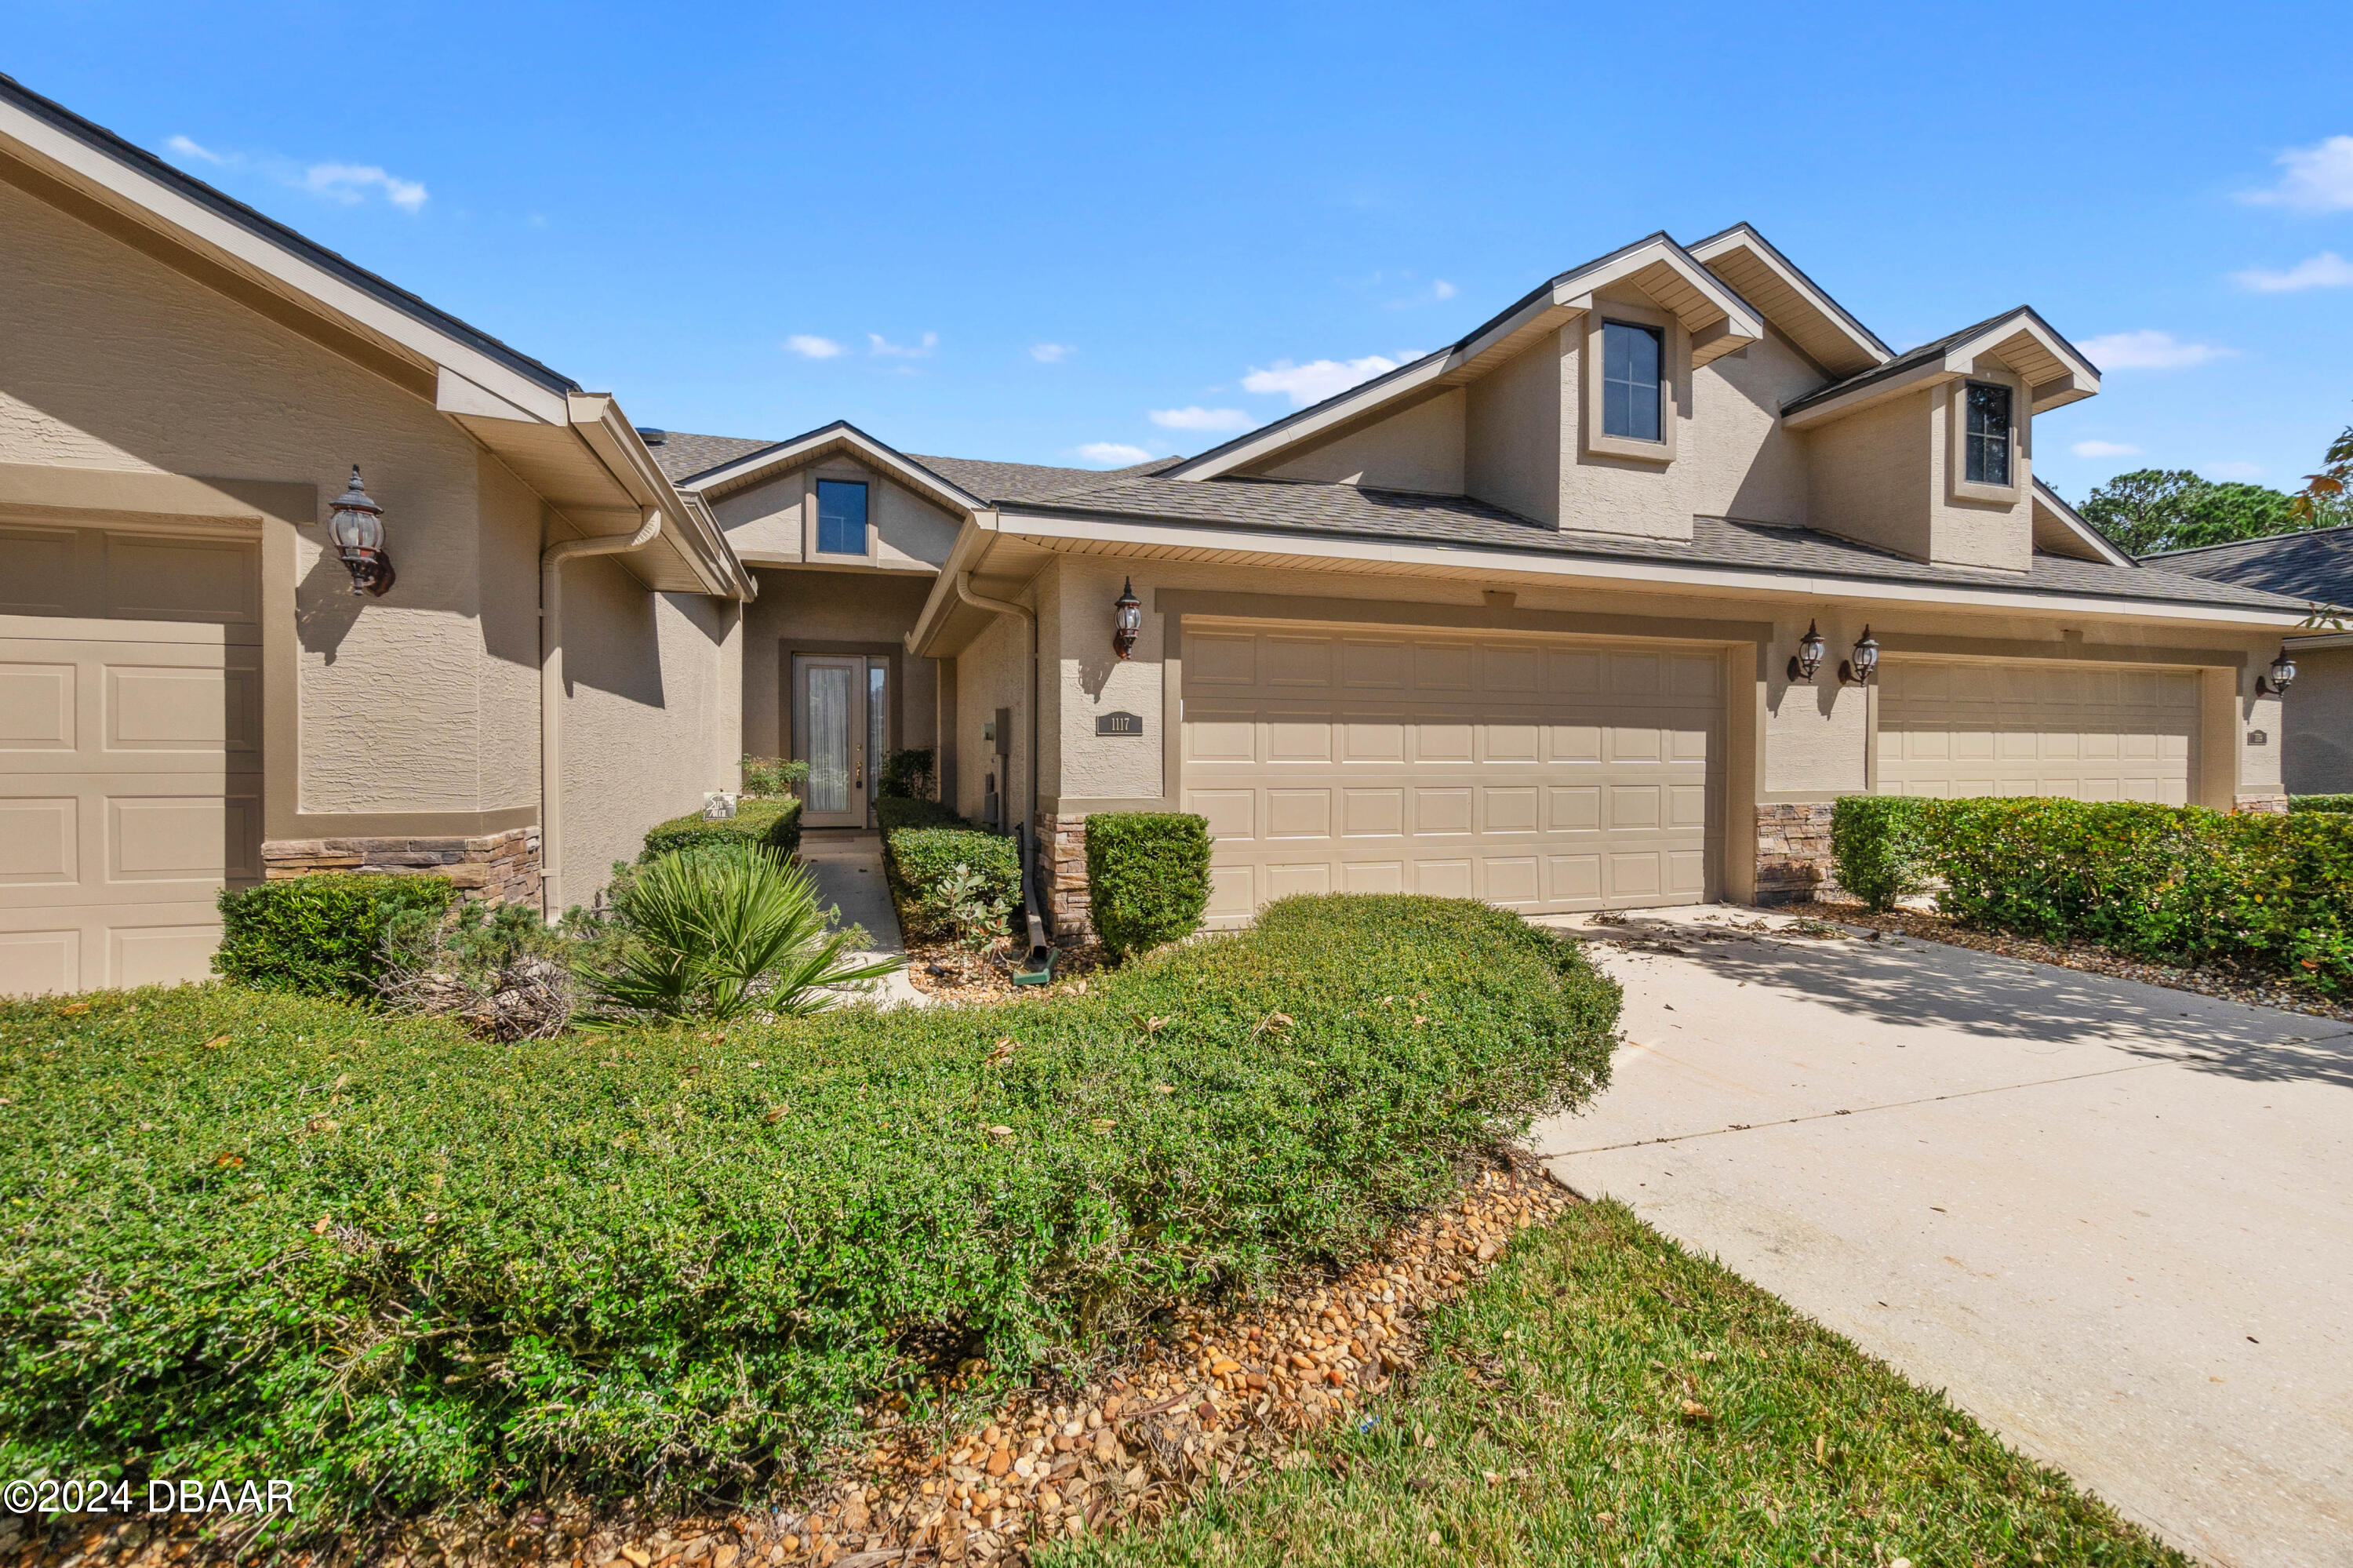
pixel 1674 361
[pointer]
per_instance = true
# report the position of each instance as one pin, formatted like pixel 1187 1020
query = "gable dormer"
pixel 835 497
pixel 1931 453
pixel 1575 406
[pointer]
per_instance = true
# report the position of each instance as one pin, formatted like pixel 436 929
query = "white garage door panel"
pixel 1540 778
pixel 1954 727
pixel 130 756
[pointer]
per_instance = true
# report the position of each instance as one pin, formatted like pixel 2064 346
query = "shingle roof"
pixel 2314 565
pixel 1349 511
pixel 683 454
pixel 680 453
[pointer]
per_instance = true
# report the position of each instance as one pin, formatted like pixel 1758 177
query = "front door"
pixel 840 716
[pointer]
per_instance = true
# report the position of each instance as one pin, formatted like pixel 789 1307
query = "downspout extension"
pixel 1036 928
pixel 550 695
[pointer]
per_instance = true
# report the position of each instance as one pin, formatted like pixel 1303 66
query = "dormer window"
pixel 1987 456
pixel 841 518
pixel 1632 358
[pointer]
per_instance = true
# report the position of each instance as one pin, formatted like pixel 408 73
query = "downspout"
pixel 550 695
pixel 1036 928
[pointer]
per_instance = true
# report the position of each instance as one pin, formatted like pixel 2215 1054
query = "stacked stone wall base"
pixel 490 868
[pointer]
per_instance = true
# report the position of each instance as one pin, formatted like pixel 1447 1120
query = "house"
pixel 2317 717
pixel 1526 620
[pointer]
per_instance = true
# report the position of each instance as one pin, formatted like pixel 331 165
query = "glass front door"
pixel 841 714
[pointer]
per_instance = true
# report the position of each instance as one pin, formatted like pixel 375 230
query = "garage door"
pixel 1955 727
pixel 1538 775
pixel 130 753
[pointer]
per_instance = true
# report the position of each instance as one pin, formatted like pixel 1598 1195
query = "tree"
pixel 2326 498
pixel 2150 510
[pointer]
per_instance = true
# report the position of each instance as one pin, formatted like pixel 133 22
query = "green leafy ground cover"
pixel 252 1234
pixel 1606 1397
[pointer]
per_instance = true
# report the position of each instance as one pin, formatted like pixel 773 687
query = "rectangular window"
pixel 1630 357
pixel 841 518
pixel 1987 458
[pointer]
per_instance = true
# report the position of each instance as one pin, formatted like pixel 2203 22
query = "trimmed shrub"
pixel 893 811
pixel 773 776
pixel 407 1269
pixel 321 936
pixel 773 824
pixel 1148 877
pixel 1878 844
pixel 2181 883
pixel 2320 803
pixel 920 860
pixel 907 775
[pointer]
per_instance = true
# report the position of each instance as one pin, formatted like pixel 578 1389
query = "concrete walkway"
pixel 848 865
pixel 2113 1221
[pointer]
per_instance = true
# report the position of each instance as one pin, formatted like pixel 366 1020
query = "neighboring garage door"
pixel 1955 727
pixel 1539 775
pixel 130 753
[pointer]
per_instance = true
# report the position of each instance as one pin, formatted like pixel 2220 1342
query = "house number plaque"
pixel 1119 723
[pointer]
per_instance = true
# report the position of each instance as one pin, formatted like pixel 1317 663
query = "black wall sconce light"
pixel 357 529
pixel 1858 671
pixel 1127 620
pixel 2282 675
pixel 1809 656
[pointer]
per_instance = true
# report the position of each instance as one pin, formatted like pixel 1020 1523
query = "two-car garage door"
pixel 1535 775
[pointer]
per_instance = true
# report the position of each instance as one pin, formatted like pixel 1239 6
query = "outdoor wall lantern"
pixel 1127 620
pixel 1857 671
pixel 2282 675
pixel 1809 656
pixel 357 529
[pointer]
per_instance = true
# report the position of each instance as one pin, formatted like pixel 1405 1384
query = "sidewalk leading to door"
pixel 848 865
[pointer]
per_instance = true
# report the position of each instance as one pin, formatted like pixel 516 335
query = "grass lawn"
pixel 1606 1397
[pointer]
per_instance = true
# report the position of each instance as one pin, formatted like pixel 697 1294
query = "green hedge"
pixel 773 823
pixel 2256 891
pixel 917 857
pixel 319 935
pixel 893 811
pixel 1148 877
pixel 407 1269
pixel 1878 844
pixel 2320 803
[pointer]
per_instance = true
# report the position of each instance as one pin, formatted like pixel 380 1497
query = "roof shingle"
pixel 2315 565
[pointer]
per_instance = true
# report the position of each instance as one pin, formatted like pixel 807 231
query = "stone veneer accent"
pixel 2266 804
pixel 1793 851
pixel 1062 873
pixel 491 868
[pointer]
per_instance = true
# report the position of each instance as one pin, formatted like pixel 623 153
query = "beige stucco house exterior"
pixel 1519 620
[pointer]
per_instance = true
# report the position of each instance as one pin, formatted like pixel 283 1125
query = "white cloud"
pixel 352 183
pixel 883 346
pixel 1442 290
pixel 2319 178
pixel 1200 418
pixel 2232 469
pixel 1114 454
pixel 1319 379
pixel 187 148
pixel 2326 270
pixel 810 346
pixel 1050 353
pixel 2103 449
pixel 2148 350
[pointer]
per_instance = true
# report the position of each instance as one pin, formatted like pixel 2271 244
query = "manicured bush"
pixel 404 1269
pixel 773 824
pixel 893 811
pixel 1148 877
pixel 2320 803
pixel 907 775
pixel 1877 844
pixel 2261 891
pixel 319 935
pixel 919 862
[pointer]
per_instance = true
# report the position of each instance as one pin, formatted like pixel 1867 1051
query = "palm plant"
pixel 718 933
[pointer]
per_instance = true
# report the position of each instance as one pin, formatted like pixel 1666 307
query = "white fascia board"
pixel 1048 531
pixel 1576 290
pixel 2081 378
pixel 251 253
pixel 597 418
pixel 839 433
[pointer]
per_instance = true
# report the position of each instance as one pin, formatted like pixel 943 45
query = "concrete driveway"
pixel 2115 1222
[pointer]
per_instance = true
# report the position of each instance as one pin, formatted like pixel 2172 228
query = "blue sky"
pixel 1025 232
